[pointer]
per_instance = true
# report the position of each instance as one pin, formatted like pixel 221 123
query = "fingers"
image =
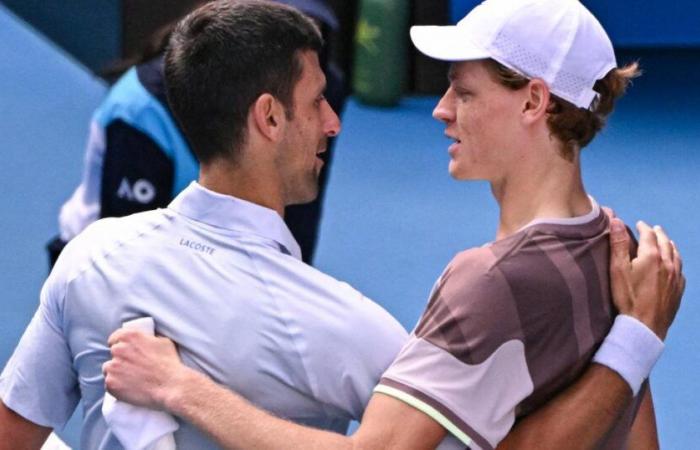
pixel 125 346
pixel 114 337
pixel 609 212
pixel 125 335
pixel 619 245
pixel 658 279
pixel 666 253
pixel 620 266
pixel 648 242
pixel 677 260
pixel 682 290
pixel 665 247
pixel 123 351
pixel 619 239
pixel 111 379
pixel 678 268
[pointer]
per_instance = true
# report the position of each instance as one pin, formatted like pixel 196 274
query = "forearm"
pixel 234 423
pixel 17 433
pixel 643 435
pixel 578 418
pixel 138 377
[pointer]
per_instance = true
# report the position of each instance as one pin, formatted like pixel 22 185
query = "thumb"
pixel 619 243
pixel 620 266
pixel 609 212
pixel 619 240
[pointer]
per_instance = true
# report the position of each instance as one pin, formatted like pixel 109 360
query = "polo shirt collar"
pixel 224 211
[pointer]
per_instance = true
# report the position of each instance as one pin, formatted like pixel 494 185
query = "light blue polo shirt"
pixel 224 279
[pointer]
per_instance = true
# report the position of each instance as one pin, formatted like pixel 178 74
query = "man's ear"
pixel 536 101
pixel 269 117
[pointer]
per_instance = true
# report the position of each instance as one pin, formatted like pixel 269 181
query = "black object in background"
pixel 428 76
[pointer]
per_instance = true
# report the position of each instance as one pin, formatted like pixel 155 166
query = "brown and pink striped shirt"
pixel 507 327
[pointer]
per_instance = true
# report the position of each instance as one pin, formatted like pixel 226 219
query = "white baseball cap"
pixel 558 41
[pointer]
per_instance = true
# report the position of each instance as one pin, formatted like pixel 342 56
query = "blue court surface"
pixel 393 217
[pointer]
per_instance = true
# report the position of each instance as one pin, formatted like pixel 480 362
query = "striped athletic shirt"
pixel 507 327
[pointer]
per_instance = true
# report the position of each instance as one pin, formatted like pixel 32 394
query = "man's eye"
pixel 463 94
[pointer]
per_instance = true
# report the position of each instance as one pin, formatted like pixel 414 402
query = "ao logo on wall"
pixel 141 191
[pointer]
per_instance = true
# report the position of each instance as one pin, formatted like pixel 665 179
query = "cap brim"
pixel 446 43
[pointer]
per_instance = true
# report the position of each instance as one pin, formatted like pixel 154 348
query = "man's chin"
pixel 305 197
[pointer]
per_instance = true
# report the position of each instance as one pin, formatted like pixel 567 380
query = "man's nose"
pixel 444 111
pixel 332 122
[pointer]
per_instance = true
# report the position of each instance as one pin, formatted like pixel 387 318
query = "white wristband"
pixel 630 349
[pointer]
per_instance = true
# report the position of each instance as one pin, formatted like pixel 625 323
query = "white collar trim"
pixel 224 211
pixel 579 220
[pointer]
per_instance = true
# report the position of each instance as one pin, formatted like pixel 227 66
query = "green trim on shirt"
pixel 427 409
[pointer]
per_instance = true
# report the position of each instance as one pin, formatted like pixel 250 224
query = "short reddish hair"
pixel 575 127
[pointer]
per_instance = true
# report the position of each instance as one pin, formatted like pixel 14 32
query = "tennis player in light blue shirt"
pixel 217 270
pixel 224 277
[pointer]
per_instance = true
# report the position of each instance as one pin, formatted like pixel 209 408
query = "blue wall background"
pixel 629 23
pixel 88 29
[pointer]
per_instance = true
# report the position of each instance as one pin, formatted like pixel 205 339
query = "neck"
pixel 240 181
pixel 550 190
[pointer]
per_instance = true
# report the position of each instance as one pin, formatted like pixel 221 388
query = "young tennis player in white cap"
pixel 510 328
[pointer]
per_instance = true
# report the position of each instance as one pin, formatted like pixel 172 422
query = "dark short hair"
pixel 222 57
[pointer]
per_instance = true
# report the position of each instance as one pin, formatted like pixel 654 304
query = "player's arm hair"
pixel 234 423
pixel 643 435
pixel 18 433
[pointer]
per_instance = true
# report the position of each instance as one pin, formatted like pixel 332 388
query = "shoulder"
pixel 294 277
pixel 322 302
pixel 504 268
pixel 472 310
pixel 102 238
pixel 113 229
pixel 488 281
pixel 471 276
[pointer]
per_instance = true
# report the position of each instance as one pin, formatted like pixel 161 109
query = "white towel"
pixel 54 443
pixel 139 428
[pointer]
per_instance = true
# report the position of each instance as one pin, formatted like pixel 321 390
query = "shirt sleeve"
pixel 349 355
pixel 39 382
pixel 464 365
pixel 344 342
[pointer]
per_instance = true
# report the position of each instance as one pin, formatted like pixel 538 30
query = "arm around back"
pixel 18 433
